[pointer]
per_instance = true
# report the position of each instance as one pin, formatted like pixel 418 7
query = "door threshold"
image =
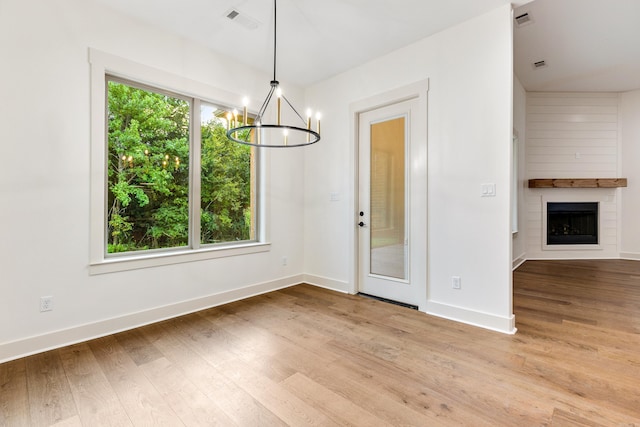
pixel 390 301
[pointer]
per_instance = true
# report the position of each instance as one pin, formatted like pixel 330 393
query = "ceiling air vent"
pixel 539 64
pixel 523 19
pixel 242 19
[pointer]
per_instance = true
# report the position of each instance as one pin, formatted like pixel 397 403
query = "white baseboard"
pixel 325 282
pixel 49 341
pixel 570 258
pixel 506 325
pixel 518 262
pixel 630 255
pixel 633 256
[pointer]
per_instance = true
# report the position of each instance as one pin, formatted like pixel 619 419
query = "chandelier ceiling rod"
pixel 275 36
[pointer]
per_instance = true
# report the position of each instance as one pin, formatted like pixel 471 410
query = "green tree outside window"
pixel 149 178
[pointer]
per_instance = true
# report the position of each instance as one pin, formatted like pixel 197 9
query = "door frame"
pixel 417 90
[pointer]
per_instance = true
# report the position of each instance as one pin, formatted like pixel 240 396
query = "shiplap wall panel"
pixel 573 109
pixel 567 127
pixel 560 143
pixel 572 128
pixel 589 151
pixel 564 134
pixel 549 117
pixel 582 170
pixel 604 161
pixel 571 98
pixel 572 135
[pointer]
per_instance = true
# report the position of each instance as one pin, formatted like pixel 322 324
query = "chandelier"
pixel 278 134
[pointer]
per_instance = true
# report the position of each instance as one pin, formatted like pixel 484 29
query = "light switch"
pixel 488 190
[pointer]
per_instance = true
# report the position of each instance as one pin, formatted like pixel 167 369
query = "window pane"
pixel 388 201
pixel 227 182
pixel 148 170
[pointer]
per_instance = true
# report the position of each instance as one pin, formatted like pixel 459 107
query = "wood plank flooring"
pixel 308 356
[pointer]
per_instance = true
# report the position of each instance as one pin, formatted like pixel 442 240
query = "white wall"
pixel 470 74
pixel 518 249
pixel 630 135
pixel 573 135
pixel 45 177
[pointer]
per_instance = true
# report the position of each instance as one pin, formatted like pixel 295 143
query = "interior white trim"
pixel 634 256
pixel 517 262
pixel 506 325
pixel 417 90
pixel 49 341
pixel 570 199
pixel 112 265
pixel 327 283
pixel 103 64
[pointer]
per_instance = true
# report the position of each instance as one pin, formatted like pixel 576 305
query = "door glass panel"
pixel 388 201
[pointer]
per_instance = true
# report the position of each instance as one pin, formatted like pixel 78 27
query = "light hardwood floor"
pixel 308 356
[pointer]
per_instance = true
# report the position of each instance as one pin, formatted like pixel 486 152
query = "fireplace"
pixel 572 223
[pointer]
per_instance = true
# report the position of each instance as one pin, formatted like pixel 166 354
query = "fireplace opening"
pixel 572 223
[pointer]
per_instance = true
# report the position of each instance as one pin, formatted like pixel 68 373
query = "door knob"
pixel 361 224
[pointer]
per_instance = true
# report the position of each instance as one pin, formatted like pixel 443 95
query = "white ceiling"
pixel 587 44
pixel 316 38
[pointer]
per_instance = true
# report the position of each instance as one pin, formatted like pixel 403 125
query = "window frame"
pixel 106 67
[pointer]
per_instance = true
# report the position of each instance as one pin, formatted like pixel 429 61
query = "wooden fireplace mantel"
pixel 578 183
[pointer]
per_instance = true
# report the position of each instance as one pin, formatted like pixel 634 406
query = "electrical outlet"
pixel 284 260
pixel 46 303
pixel 455 282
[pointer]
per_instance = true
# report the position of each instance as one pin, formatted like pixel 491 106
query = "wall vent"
pixel 539 64
pixel 523 19
pixel 242 19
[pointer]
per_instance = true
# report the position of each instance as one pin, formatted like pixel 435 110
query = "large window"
pixel 174 180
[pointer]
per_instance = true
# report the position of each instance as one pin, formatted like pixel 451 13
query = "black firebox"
pixel 572 223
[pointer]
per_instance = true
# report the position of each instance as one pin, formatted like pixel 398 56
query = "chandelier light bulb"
pixel 245 104
pixel 229 121
pixel 309 114
pixel 279 104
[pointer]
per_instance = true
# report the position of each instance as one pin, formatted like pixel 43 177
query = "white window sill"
pixel 137 261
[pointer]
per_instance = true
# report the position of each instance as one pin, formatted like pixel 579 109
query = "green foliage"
pixel 120 228
pixel 226 187
pixel 148 175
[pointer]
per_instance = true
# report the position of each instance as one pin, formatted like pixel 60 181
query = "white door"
pixel 392 204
